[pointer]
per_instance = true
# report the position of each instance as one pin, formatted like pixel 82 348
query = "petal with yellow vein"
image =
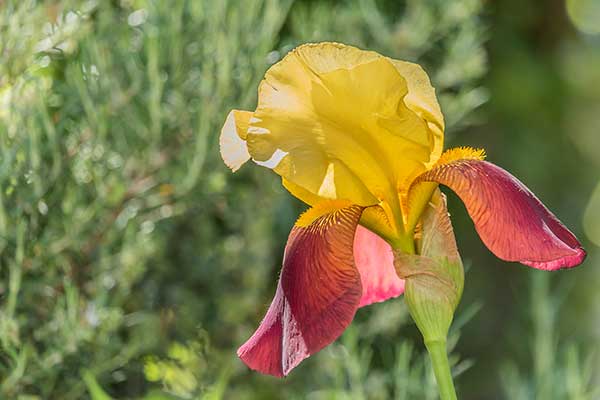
pixel 317 296
pixel 374 218
pixel 420 194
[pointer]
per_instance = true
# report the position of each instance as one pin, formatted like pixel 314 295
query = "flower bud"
pixel 435 276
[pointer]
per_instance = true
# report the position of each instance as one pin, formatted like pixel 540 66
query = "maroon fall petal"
pixel 375 262
pixel 317 295
pixel 509 218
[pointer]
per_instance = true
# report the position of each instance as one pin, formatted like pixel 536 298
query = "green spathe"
pixel 434 277
pixel 434 284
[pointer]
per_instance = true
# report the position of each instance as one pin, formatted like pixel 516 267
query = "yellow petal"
pixel 421 99
pixel 299 192
pixel 341 123
pixel 421 95
pixel 373 217
pixel 232 141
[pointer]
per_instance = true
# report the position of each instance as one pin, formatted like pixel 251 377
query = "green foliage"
pixel 180 373
pixel 109 162
pixel 558 369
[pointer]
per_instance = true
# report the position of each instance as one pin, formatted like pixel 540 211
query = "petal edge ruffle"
pixel 232 144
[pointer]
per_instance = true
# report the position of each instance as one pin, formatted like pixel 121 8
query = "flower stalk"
pixel 405 244
pixel 441 369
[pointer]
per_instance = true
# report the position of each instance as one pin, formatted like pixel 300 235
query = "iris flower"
pixel 359 137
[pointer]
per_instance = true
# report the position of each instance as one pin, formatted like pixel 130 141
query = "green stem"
pixel 441 369
pixel 405 243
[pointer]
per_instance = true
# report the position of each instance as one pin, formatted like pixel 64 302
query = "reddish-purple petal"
pixel 510 220
pixel 317 296
pixel 375 262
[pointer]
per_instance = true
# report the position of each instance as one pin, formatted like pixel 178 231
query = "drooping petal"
pixel 333 119
pixel 375 262
pixel 510 220
pixel 232 141
pixel 420 194
pixel 317 296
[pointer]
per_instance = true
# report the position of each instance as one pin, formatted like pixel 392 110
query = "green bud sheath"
pixel 434 277
pixel 434 280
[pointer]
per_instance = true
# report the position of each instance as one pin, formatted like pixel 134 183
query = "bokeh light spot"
pixel 585 15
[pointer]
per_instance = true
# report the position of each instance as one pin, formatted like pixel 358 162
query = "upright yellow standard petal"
pixel 341 123
pixel 422 100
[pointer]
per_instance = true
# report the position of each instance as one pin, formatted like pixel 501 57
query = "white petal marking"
pixel 257 130
pixel 274 160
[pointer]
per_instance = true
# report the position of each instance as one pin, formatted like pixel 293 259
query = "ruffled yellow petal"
pixel 234 150
pixel 422 100
pixel 341 123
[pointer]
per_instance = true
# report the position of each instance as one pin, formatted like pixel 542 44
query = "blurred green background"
pixel 133 263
